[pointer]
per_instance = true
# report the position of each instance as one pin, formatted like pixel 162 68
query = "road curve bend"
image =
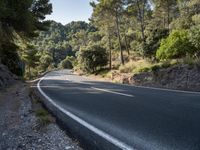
pixel 127 117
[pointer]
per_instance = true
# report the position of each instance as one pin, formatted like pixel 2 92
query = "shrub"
pixel 127 68
pixel 45 61
pixel 176 45
pixel 68 62
pixel 138 47
pixel 194 38
pixel 92 57
pixel 145 69
pixel 153 40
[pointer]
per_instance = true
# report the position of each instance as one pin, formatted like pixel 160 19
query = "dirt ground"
pixel 20 128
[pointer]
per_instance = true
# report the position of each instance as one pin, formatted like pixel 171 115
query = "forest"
pixel 130 36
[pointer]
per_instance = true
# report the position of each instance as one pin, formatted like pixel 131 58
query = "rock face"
pixel 6 77
pixel 181 77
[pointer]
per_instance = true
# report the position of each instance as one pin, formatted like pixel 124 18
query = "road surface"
pixel 127 116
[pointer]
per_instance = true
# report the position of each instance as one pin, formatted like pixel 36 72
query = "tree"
pixel 45 61
pixel 113 8
pixel 164 12
pixel 92 57
pixel 28 17
pixel 104 21
pixel 68 62
pixel 189 14
pixel 194 38
pixel 30 58
pixel 177 45
pixel 140 9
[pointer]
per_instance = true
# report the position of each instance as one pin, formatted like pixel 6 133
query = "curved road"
pixel 127 116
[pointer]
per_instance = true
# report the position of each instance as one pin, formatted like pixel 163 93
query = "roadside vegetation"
pixel 127 36
pixel 44 117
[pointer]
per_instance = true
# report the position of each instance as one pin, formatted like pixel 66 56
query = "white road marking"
pixel 33 80
pixel 156 88
pixel 49 86
pixel 79 82
pixel 144 87
pixel 104 90
pixel 97 131
pixel 109 91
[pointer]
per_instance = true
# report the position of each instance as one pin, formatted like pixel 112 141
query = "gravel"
pixel 19 125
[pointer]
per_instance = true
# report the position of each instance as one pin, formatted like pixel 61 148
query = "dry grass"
pixel 44 117
pixel 134 66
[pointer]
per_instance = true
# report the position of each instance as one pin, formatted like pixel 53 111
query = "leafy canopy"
pixel 176 45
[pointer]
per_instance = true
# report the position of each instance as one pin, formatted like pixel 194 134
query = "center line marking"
pixel 108 91
pixel 97 131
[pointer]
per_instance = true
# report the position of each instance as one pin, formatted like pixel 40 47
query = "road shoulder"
pixel 21 128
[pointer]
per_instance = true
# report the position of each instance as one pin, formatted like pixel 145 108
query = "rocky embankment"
pixel 6 77
pixel 179 77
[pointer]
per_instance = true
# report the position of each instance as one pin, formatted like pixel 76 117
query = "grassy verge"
pixel 44 117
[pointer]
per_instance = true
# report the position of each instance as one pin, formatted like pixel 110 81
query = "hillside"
pixel 57 40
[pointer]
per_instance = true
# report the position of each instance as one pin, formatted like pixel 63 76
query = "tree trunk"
pixel 126 44
pixel 168 14
pixel 119 38
pixel 110 52
pixel 29 71
pixel 141 20
pixel 54 53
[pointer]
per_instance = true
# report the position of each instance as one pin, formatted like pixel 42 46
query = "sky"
pixel 65 11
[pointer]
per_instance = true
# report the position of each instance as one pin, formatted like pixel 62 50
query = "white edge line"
pixel 109 91
pixel 97 131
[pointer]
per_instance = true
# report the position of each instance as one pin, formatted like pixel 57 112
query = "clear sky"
pixel 65 11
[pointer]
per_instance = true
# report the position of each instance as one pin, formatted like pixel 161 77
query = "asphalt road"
pixel 130 117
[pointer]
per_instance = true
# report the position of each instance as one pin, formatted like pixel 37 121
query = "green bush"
pixel 68 62
pixel 145 69
pixel 153 40
pixel 194 37
pixel 92 57
pixel 45 61
pixel 176 45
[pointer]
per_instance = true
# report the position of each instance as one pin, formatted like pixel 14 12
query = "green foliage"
pixel 194 37
pixel 61 41
pixel 30 56
pixel 43 116
pixel 68 63
pixel 92 57
pixel 137 46
pixel 126 68
pixel 10 58
pixel 31 60
pixel 155 67
pixel 20 19
pixel 153 40
pixel 183 22
pixel 45 61
pixel 145 69
pixel 121 27
pixel 177 45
